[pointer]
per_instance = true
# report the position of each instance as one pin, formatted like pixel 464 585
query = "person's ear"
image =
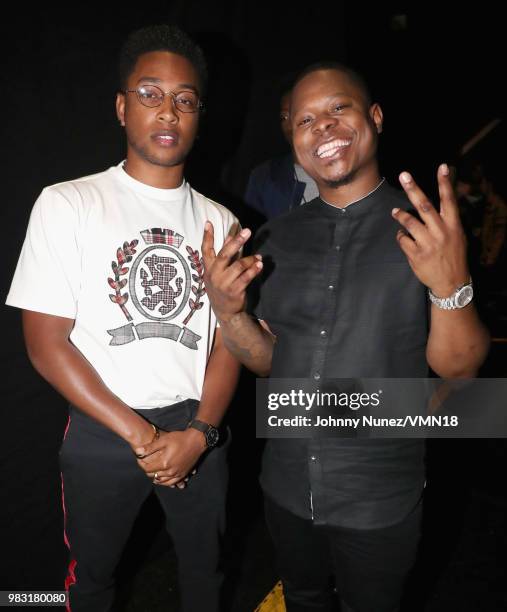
pixel 120 108
pixel 376 116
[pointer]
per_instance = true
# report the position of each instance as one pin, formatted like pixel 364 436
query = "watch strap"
pixel 199 425
pixel 449 303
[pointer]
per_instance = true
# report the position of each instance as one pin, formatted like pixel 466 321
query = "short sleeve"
pixel 47 276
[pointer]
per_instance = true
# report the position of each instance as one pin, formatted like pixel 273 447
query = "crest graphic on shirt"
pixel 162 284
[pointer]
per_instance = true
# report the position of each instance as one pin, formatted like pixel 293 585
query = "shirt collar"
pixel 363 204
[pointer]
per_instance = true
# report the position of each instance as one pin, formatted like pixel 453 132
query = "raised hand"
pixel 436 247
pixel 226 276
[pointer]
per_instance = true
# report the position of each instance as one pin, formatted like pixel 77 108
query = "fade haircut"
pixel 163 37
pixel 352 74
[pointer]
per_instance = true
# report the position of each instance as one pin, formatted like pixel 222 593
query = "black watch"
pixel 211 434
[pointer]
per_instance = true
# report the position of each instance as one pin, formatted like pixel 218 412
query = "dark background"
pixel 438 73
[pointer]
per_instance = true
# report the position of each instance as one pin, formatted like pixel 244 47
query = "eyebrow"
pixel 157 80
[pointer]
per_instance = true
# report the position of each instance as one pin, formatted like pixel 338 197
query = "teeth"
pixel 329 148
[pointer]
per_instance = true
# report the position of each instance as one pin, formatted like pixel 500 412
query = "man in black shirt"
pixel 345 297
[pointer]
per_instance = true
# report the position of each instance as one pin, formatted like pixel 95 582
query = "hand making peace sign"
pixel 436 246
pixel 226 276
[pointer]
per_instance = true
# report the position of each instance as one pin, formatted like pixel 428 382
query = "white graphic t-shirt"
pixel 124 260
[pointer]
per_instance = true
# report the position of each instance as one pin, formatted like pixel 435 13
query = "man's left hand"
pixel 435 246
pixel 168 460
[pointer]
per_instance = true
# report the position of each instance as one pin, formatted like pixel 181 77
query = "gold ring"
pixel 155 477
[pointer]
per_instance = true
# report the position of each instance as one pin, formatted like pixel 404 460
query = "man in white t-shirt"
pixel 116 318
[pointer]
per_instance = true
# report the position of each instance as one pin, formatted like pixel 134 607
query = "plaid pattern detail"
pixel 158 330
pixel 159 235
pixel 122 335
pixel 162 274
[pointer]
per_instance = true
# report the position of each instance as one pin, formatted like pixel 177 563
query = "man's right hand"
pixel 226 276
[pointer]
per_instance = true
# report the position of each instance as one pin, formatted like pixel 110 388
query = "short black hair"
pixel 353 75
pixel 162 37
pixel 285 84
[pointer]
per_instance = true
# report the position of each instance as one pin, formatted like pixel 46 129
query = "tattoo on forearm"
pixel 248 341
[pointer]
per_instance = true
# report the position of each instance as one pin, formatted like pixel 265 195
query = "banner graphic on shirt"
pixel 162 285
pixel 125 334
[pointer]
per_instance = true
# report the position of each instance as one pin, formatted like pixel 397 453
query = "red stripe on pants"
pixel 71 577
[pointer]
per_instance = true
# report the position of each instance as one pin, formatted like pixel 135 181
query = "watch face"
pixel 464 296
pixel 212 436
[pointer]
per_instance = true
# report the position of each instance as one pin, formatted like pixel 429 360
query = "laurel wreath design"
pixel 198 277
pixel 123 255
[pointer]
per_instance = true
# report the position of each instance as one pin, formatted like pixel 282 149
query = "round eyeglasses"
pixel 152 96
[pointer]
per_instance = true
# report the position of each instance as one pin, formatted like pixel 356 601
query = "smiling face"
pixel 334 133
pixel 158 139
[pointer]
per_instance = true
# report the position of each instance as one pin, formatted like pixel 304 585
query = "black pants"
pixel 103 490
pixel 369 566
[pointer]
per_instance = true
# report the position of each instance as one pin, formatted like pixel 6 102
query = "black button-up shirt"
pixel 343 302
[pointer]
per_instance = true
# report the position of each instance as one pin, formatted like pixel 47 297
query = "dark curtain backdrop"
pixel 439 80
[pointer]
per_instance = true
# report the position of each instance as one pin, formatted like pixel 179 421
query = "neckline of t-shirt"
pixel 164 195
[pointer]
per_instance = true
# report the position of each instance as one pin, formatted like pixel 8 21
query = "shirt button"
pixel 316 375
pixel 323 333
pixel 337 247
pixel 313 458
pixel 331 287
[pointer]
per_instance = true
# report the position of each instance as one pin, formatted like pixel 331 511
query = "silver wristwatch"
pixel 459 299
